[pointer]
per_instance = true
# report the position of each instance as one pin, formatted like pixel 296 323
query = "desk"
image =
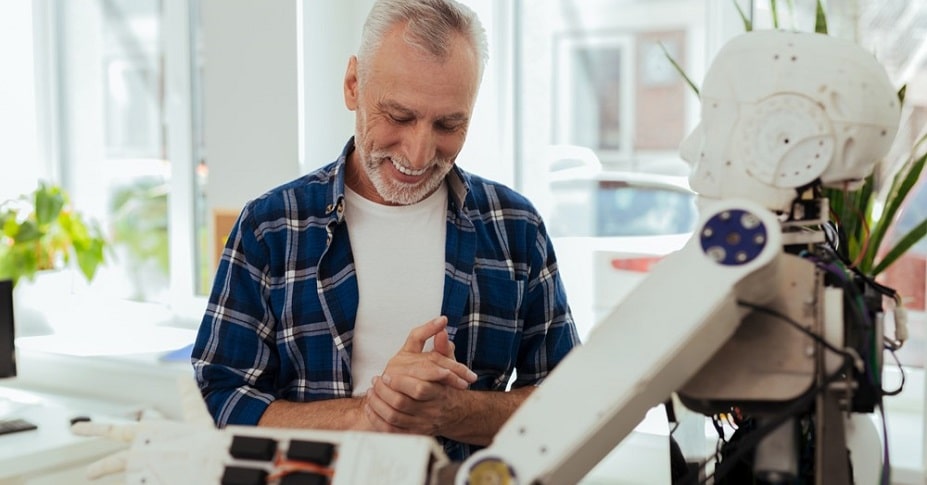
pixel 116 365
pixel 110 376
pixel 51 453
pixel 116 380
pixel 114 375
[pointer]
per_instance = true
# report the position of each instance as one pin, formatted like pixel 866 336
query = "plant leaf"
pixel 679 69
pixel 48 203
pixel 820 18
pixel 26 232
pixel 849 209
pixel 775 13
pixel 902 184
pixel 748 24
pixel 89 258
pixel 906 242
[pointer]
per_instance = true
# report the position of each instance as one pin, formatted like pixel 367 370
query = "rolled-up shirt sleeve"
pixel 234 357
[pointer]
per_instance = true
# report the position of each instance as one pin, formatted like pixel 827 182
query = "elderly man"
pixel 316 315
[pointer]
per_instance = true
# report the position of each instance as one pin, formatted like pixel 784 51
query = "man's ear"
pixel 350 84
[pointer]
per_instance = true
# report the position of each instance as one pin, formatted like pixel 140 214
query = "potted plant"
pixel 41 231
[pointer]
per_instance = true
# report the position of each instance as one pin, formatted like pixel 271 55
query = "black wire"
pixel 862 317
pixel 817 338
pixel 901 369
pixel 750 441
pixel 886 459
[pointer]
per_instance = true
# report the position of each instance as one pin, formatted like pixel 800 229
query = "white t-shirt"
pixel 399 258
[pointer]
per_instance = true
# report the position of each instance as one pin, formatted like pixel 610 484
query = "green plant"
pixel 866 215
pixel 41 231
pixel 140 226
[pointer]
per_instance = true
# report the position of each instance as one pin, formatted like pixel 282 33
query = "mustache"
pixel 379 156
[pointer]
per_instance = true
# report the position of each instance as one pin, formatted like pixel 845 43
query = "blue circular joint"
pixel 733 237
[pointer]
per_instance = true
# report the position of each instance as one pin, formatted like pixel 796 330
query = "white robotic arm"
pixel 647 348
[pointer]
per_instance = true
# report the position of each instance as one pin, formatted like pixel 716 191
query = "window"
pixel 599 115
pixel 115 84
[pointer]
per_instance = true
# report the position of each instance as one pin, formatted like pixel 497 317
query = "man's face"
pixel 412 115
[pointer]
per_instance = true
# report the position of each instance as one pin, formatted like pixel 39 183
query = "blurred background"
pixel 161 118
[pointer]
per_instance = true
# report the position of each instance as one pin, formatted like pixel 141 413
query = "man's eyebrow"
pixel 456 117
pixel 396 107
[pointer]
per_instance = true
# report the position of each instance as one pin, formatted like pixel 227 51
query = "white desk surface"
pixel 52 446
pixel 112 376
pixel 58 380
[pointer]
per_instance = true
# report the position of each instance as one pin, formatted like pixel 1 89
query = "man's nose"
pixel 421 146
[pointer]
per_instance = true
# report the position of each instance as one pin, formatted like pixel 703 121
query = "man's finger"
pixel 443 344
pixel 415 342
pixel 456 368
pixel 397 419
pixel 394 389
pixel 459 377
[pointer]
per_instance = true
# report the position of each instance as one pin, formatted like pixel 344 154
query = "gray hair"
pixel 430 24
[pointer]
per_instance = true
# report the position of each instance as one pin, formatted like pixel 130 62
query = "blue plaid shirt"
pixel 280 319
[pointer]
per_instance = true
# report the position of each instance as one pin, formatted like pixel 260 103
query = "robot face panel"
pixel 783 109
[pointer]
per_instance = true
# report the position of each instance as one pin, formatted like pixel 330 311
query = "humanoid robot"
pixel 750 316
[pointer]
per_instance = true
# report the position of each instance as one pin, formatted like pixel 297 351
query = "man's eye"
pixel 445 127
pixel 400 119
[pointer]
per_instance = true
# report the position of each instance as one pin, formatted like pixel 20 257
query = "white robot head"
pixel 783 109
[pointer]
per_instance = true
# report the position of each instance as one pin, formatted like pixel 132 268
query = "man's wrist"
pixel 359 418
pixel 461 405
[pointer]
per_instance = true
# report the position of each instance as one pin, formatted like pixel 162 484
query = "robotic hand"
pixel 750 314
pixel 157 435
pixel 192 450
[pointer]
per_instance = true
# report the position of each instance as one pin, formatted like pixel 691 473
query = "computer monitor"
pixel 7 331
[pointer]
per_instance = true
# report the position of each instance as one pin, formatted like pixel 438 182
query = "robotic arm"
pixel 643 351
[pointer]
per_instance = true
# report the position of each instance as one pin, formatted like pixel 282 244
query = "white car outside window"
pixel 609 228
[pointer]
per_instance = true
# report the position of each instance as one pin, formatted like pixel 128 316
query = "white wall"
pixel 19 165
pixel 489 149
pixel 80 112
pixel 251 103
pixel 330 36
